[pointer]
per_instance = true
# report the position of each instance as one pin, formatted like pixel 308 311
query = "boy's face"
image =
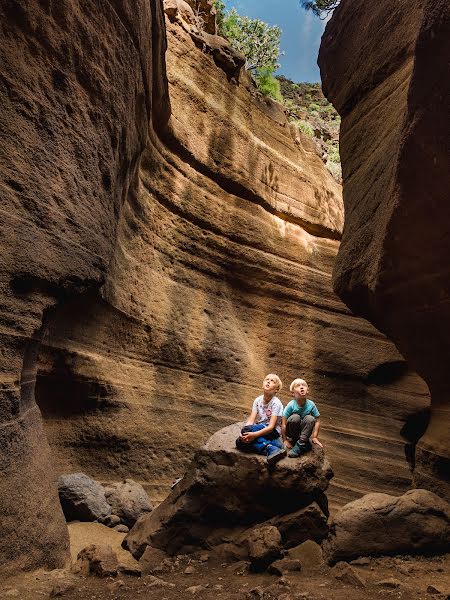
pixel 300 390
pixel 270 384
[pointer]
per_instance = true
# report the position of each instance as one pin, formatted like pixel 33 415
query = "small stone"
pixel 113 521
pixel 12 593
pixel 347 574
pixel 189 570
pixel 61 588
pixel 389 583
pixel 121 528
pixel 195 589
pixel 218 586
pixel 363 561
pixel 97 559
pixel 204 557
pixel 285 565
pixel 432 589
pixel 309 554
pixel 405 569
pixel 152 581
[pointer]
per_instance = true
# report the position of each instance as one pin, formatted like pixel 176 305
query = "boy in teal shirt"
pixel 301 421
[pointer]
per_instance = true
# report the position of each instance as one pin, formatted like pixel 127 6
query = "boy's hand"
pixel 288 445
pixel 315 440
pixel 249 436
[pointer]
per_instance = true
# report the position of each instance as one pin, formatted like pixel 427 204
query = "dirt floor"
pixel 404 578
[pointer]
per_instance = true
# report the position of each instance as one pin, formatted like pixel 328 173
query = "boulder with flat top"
pixel 225 488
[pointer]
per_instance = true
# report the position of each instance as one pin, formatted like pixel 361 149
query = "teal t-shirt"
pixel 309 408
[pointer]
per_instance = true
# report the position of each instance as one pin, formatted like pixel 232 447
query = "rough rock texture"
pixel 308 523
pixel 225 488
pixel 221 274
pixel 393 263
pixel 416 523
pixel 79 82
pixel 128 500
pixel 82 498
pixel 97 559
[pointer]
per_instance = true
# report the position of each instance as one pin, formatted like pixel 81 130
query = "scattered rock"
pixel 152 581
pixel 309 554
pixel 128 501
pixel 97 559
pixel 240 568
pixel 256 593
pixel 189 570
pixel 195 589
pixel 229 552
pixel 264 546
pixel 285 565
pixel 121 528
pixel 131 570
pixel 82 498
pixel 417 522
pixel 433 589
pixel 389 583
pixel 364 561
pixel 204 557
pixel 153 561
pixel 61 588
pixel 12 593
pixel 347 574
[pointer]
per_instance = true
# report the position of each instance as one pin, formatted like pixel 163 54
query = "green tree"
pixel 219 5
pixel 258 41
pixel 268 84
pixel 321 8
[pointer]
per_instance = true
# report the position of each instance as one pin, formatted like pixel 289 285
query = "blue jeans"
pixel 261 445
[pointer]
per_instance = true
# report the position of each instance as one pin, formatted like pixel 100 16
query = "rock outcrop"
pixel 79 84
pixel 232 496
pixel 416 523
pixel 389 81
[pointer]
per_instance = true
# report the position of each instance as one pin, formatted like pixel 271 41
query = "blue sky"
pixel 301 35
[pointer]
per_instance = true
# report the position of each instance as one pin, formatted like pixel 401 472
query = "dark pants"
pixel 299 429
pixel 260 445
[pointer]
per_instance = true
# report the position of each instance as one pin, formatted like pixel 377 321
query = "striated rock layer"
pixel 79 82
pixel 221 273
pixel 390 83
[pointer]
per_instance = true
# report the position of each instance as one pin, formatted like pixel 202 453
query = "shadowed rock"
pixel 82 498
pixel 416 523
pixel 226 488
pixel 128 500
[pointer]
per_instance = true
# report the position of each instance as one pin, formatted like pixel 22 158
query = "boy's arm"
pixel 283 427
pixel 315 433
pixel 252 418
pixel 252 435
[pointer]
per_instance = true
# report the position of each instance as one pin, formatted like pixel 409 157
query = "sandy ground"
pixel 404 578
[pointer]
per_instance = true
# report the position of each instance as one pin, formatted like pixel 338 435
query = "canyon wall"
pixel 385 68
pixel 155 269
pixel 221 273
pixel 79 82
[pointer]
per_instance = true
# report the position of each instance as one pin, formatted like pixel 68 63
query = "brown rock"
pixel 417 522
pixel 390 583
pixel 347 574
pixel 61 589
pixel 264 546
pixel 216 491
pixel 151 562
pixel 128 500
pixel 309 554
pixel 395 160
pixel 97 559
pixel 285 565
pixel 308 523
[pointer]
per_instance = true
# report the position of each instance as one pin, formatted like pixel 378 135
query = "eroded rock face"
pixel 392 265
pixel 221 274
pixel 79 83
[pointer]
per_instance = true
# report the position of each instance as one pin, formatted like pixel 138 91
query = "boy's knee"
pixel 309 419
pixel 294 419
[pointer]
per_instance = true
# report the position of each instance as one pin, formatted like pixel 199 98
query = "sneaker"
pixel 275 456
pixel 297 450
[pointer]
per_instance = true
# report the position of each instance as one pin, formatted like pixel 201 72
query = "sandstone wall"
pixel 385 68
pixel 221 273
pixel 77 89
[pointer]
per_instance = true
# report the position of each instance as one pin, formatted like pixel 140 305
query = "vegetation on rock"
pixel 321 8
pixel 258 41
pixel 309 110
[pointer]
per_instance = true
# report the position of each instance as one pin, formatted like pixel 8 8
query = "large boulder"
pixel 376 524
pixel 227 488
pixel 128 500
pixel 82 498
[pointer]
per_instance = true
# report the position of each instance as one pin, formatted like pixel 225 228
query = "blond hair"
pixel 277 379
pixel 295 383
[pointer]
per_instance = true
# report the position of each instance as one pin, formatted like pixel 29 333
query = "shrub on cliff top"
pixel 321 8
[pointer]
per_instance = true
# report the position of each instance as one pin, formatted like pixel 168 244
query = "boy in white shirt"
pixel 261 433
pixel 301 421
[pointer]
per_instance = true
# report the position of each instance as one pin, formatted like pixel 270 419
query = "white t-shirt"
pixel 265 411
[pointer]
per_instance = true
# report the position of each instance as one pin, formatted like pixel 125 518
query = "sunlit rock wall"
pixel 221 273
pixel 385 68
pixel 79 82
